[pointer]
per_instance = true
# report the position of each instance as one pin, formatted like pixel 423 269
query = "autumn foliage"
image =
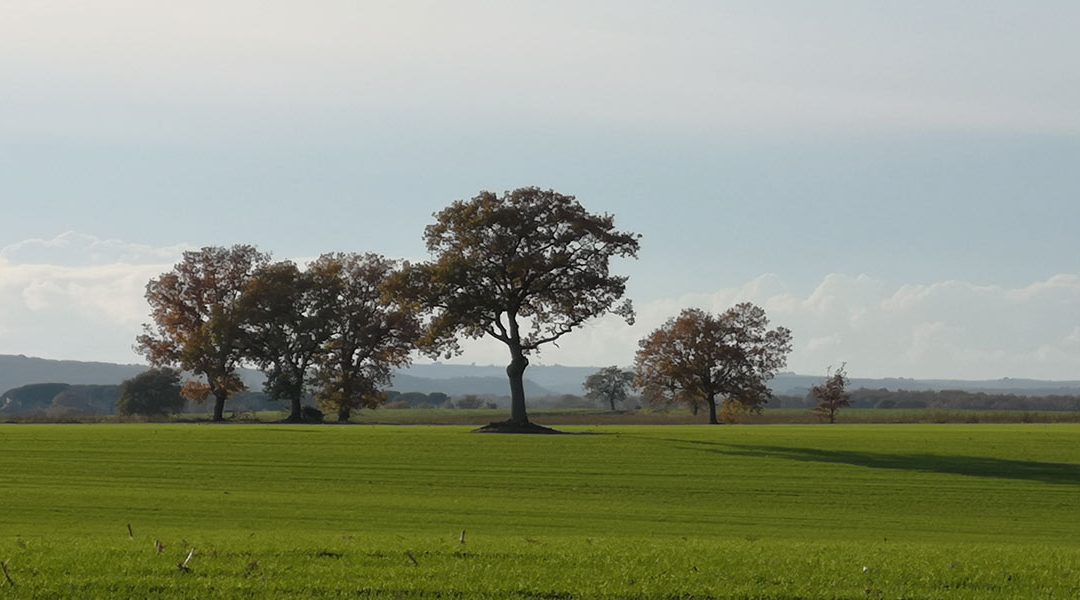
pixel 701 357
pixel 525 267
pixel 197 321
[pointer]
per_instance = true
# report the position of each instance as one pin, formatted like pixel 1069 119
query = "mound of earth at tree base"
pixel 511 427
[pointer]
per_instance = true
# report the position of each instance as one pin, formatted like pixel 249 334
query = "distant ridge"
pixel 561 379
pixel 19 370
pixel 541 380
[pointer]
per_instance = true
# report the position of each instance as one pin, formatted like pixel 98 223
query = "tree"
pixel 702 356
pixel 609 384
pixel 86 400
pixel 525 268
pixel 197 322
pixel 30 398
pixel 154 392
pixel 831 395
pixel 369 334
pixel 284 328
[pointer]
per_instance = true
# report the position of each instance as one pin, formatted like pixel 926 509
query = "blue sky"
pixel 897 182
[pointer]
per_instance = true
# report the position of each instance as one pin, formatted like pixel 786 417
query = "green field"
pixel 690 512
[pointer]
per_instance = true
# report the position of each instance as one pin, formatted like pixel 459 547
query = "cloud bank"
pixel 948 329
pixel 79 297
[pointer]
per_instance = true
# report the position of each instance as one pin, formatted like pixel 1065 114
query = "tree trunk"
pixel 219 406
pixel 295 410
pixel 712 411
pixel 612 400
pixel 516 372
pixel 694 408
pixel 343 413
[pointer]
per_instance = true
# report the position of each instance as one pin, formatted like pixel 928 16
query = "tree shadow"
pixel 971 466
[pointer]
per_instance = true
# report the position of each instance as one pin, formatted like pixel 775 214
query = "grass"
pixel 770 512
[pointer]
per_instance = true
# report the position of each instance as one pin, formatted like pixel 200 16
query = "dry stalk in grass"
pixel 11 582
pixel 131 533
pixel 462 540
pixel 159 546
pixel 184 568
pixel 412 557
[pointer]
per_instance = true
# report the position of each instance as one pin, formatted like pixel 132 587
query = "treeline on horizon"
pixel 74 401
pixel 941 399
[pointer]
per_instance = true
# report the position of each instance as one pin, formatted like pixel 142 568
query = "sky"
pixel 898 183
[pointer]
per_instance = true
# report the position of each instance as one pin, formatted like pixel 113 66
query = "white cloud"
pixel 87 303
pixel 76 296
pixel 71 248
pixel 949 329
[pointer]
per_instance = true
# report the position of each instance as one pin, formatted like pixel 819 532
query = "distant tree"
pixel 831 395
pixel 87 400
pixel 526 268
pixel 469 401
pixel 369 333
pixel 414 399
pixel 697 355
pixel 438 399
pixel 197 322
pixel 35 397
pixel 155 392
pixel 610 385
pixel 285 325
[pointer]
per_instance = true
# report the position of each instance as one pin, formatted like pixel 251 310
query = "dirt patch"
pixel 511 427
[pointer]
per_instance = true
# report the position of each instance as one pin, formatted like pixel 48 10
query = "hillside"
pixel 541 380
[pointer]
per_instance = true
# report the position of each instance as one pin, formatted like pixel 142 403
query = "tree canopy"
pixel 525 267
pixel 831 395
pixel 197 323
pixel 610 384
pixel 731 356
pixel 155 392
pixel 368 332
pixel 285 326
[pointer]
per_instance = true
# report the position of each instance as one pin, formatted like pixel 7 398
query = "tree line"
pixel 525 267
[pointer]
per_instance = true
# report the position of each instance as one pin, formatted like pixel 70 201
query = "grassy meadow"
pixel 688 512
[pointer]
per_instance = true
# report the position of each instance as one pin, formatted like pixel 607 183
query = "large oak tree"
pixel 369 333
pixel 197 319
pixel 730 356
pixel 525 267
pixel 285 325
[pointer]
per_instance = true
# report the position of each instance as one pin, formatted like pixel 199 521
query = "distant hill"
pixel 544 380
pixel 17 371
pixel 464 385
pixel 796 385
pixel 459 380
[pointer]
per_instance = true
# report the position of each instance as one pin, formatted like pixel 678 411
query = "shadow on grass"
pixel 972 466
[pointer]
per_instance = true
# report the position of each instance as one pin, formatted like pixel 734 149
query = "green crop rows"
pixel 907 511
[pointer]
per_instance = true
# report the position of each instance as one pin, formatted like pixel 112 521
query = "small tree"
pixel 368 333
pixel 197 321
pixel 610 384
pixel 702 356
pixel 155 392
pixel 525 268
pixel 831 395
